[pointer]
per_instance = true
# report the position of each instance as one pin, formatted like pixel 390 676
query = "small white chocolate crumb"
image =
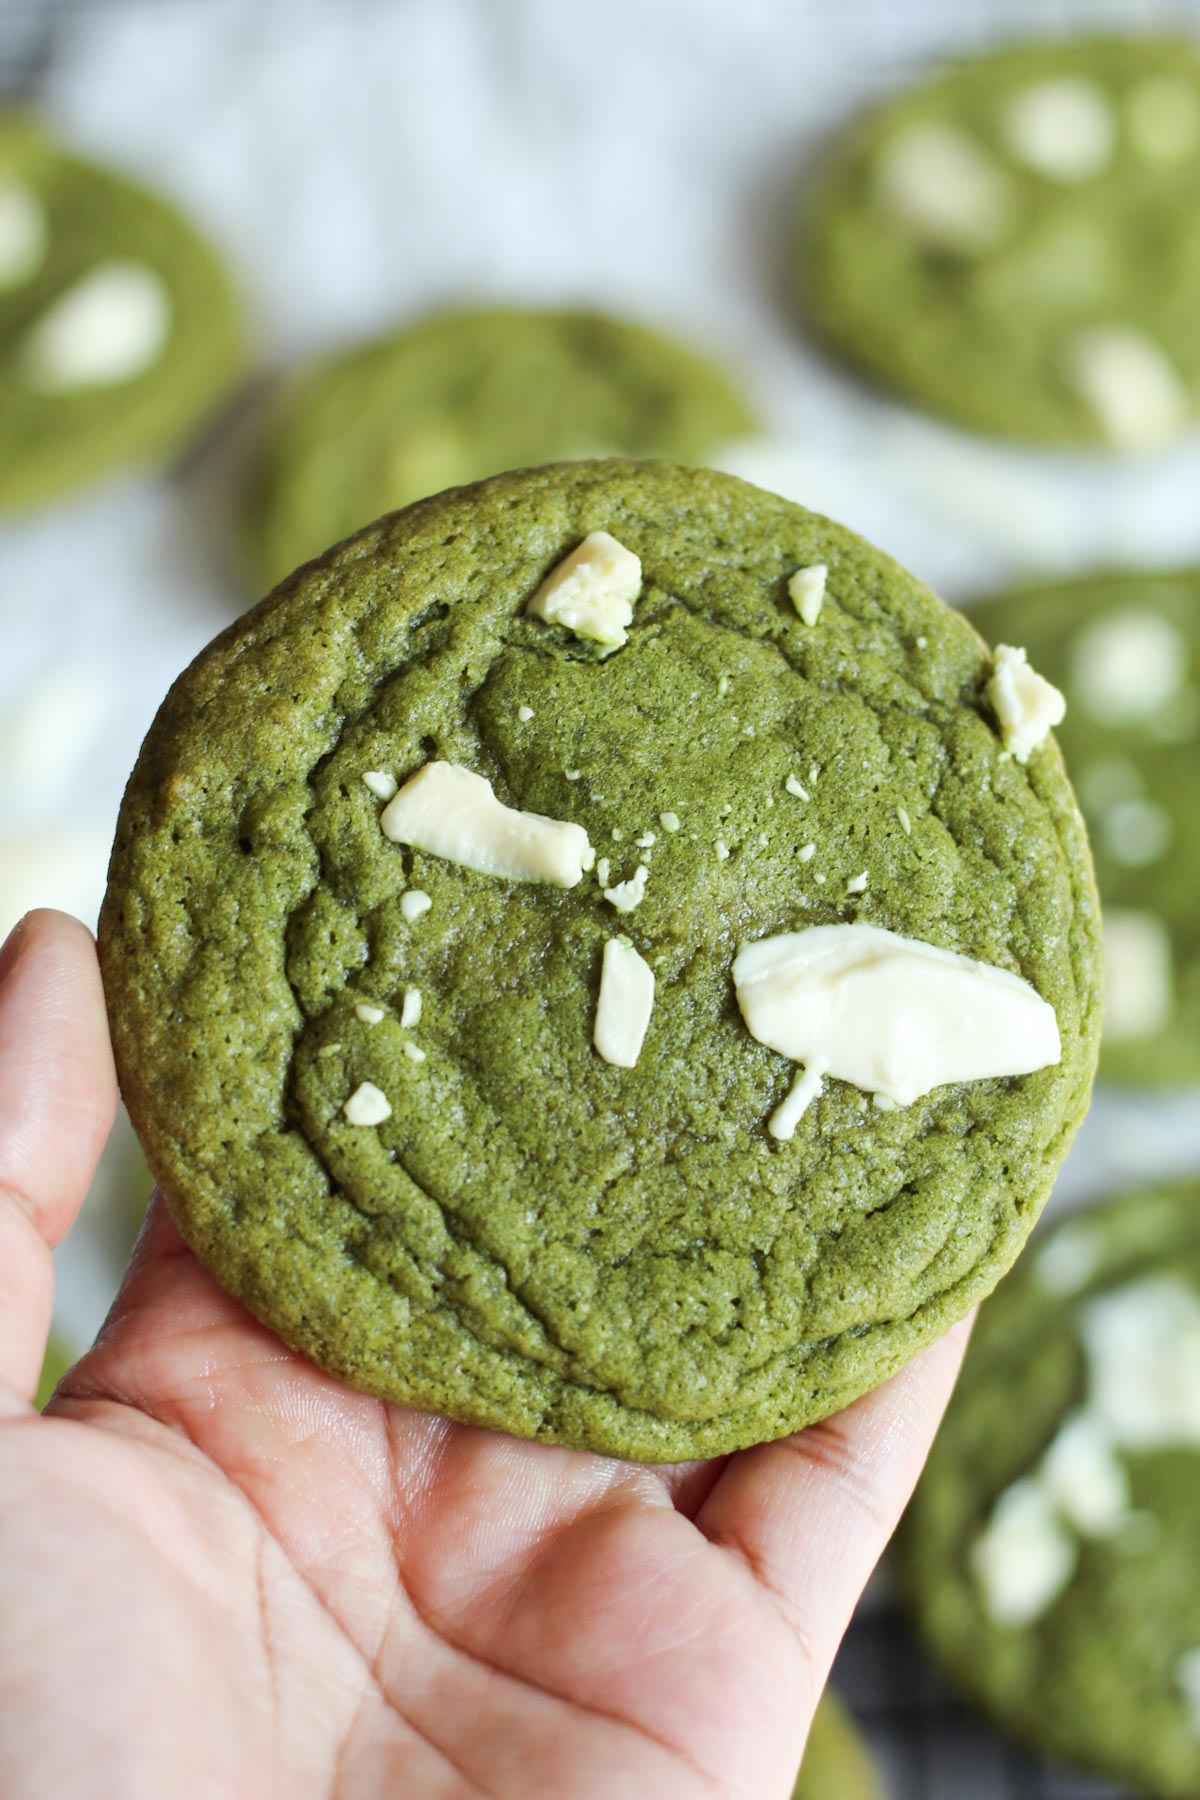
pixel 370 1015
pixel 669 821
pixel 108 328
pixel 722 685
pixel 1128 384
pixel 1025 703
pixel 858 884
pixel 603 868
pixel 414 1053
pixel 806 853
pixel 646 841
pixel 524 713
pixel 588 860
pixel 381 784
pixel 625 1004
pixel 722 850
pixel 794 785
pixel 410 1011
pixel 905 821
pixel 367 1105
pixel 1063 128
pixel 922 642
pixel 628 894
pixel 22 232
pixel 806 591
pixel 592 591
pixel 573 774
pixel 884 1103
pixel 618 836
pixel 413 902
pixel 329 1050
pixel 819 879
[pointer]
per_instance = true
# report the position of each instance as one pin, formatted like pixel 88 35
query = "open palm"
pixel 223 1573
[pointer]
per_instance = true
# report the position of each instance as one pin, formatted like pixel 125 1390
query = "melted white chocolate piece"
pixel 451 812
pixel 592 591
pixel 625 1004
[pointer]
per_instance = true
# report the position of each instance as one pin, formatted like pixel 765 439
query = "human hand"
pixel 222 1573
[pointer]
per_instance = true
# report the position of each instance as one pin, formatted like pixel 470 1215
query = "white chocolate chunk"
pixel 1025 1557
pixel 625 1004
pixel 806 852
pixel 1163 115
pixel 414 1053
pixel 947 190
pixel 1128 384
pixel 1126 666
pixel 889 1014
pixel 1187 1680
pixel 451 812
pixel 858 884
pixel 592 591
pixel 380 783
pixel 669 821
pixel 795 786
pixel 646 840
pixel 1143 1349
pixel 1063 128
pixel 370 1015
pixel 110 327
pixel 367 1105
pixel 806 591
pixel 524 713
pixel 1026 705
pixel 1138 984
pixel 806 1088
pixel 22 232
pixel 1069 1259
pixel 413 902
pixel 410 1011
pixel 628 894
pixel 1083 1477
pixel 905 821
pixel 1136 832
pixel 722 849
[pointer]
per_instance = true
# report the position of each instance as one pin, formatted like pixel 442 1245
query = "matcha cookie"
pixel 462 395
pixel 1016 243
pixel 422 937
pixel 57 1361
pixel 119 331
pixel 1125 649
pixel 1051 1546
pixel 837 1764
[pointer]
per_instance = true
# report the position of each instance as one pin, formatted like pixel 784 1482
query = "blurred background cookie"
pixel 837 1764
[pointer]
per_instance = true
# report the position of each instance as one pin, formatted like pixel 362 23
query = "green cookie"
pixel 1125 649
pixel 1016 243
pixel 536 1238
pixel 57 1361
pixel 462 395
pixel 837 1764
pixel 1051 1545
pixel 119 330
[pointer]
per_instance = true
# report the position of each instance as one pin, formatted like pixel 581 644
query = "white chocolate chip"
pixel 588 859
pixel 381 784
pixel 1027 707
pixel 1138 986
pixel 1025 1557
pixel 722 685
pixel 944 188
pixel 449 811
pixel 1069 1259
pixel 1127 665
pixel 805 1088
pixel 891 1015
pixel 858 884
pixel 806 852
pixel 1143 1351
pixel 806 591
pixel 905 821
pixel 603 871
pixel 592 591
pixel 794 785
pixel 367 1106
pixel 669 821
pixel 410 1011
pixel 1063 128
pixel 414 1053
pixel 722 850
pixel 109 328
pixel 413 902
pixel 1128 384
pixel 646 841
pixel 1163 114
pixel 1187 1680
pixel 625 1004
pixel 22 232
pixel 370 1015
pixel 1136 832
pixel 1083 1477
pixel 628 894
pixel 524 713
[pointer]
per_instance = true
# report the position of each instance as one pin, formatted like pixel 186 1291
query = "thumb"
pixel 57 1098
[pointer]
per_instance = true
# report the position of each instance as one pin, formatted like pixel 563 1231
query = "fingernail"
pixel 11 949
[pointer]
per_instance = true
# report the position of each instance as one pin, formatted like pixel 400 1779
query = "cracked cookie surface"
pixel 534 1239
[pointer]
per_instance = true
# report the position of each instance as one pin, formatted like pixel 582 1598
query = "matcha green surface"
pixel 611 1258
pixel 462 395
pixel 982 330
pixel 837 1765
pixel 52 442
pixel 1094 1680
pixel 1133 748
pixel 58 1360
